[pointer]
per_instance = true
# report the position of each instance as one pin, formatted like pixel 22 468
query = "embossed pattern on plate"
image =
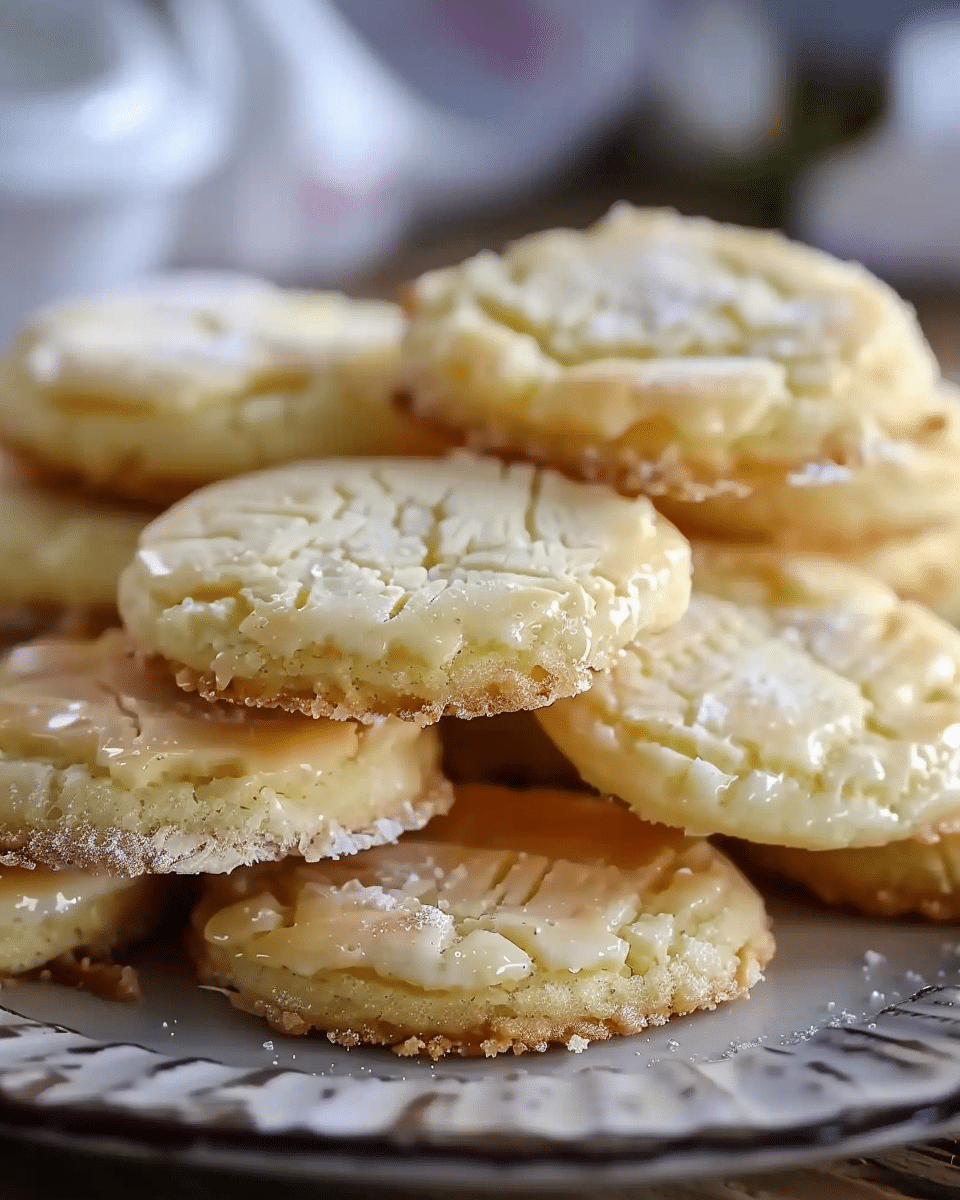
pixel 687 1099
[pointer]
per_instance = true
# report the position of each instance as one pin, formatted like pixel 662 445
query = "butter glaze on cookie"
pixel 522 919
pixel 105 763
pixel 798 702
pixel 359 588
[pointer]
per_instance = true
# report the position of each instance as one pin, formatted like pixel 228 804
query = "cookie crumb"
pixel 106 980
pixel 410 1048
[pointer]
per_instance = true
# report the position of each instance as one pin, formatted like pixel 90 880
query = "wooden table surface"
pixel 918 1173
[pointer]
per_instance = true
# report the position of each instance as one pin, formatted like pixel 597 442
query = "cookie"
pixel 106 765
pixel 46 914
pixel 60 554
pixel 151 394
pixel 798 702
pixel 902 489
pixel 357 588
pixel 668 355
pixel 521 920
pixel 509 749
pixel 908 878
pixel 924 568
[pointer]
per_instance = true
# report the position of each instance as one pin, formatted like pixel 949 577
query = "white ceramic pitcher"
pixel 294 138
pixel 341 139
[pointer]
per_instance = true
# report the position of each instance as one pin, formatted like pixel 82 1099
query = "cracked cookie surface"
pixel 798 702
pixel 520 920
pixel 417 587
pixel 105 764
pixel 668 355
pixel 152 393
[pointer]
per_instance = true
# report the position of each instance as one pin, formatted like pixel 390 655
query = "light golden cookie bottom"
pixel 903 879
pixel 524 919
pixel 61 551
pixel 490 688
pixel 569 1014
pixel 923 567
pixel 901 490
pixel 619 467
pixel 166 847
pixel 399 435
pixel 45 915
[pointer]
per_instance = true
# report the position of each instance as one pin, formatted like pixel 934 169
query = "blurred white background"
pixel 304 139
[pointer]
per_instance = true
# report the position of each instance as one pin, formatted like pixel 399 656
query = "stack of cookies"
pixel 113 780
pixel 113 407
pixel 785 411
pixel 294 638
pixel 763 392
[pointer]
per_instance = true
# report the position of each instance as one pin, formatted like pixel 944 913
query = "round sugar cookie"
pixel 106 765
pixel 45 914
pixel 152 393
pixel 798 702
pixel 900 490
pixel 667 355
pixel 415 587
pixel 908 878
pixel 521 920
pixel 60 554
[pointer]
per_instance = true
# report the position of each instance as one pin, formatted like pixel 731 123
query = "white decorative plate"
pixel 852 1042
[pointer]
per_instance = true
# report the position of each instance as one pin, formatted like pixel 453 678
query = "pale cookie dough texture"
pixel 151 394
pixel 798 702
pixel 416 587
pixel 106 765
pixel 668 355
pixel 908 878
pixel 44 914
pixel 924 568
pixel 523 919
pixel 60 553
pixel 901 490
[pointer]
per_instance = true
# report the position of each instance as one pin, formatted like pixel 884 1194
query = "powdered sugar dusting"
pixel 819 474
pixel 73 843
